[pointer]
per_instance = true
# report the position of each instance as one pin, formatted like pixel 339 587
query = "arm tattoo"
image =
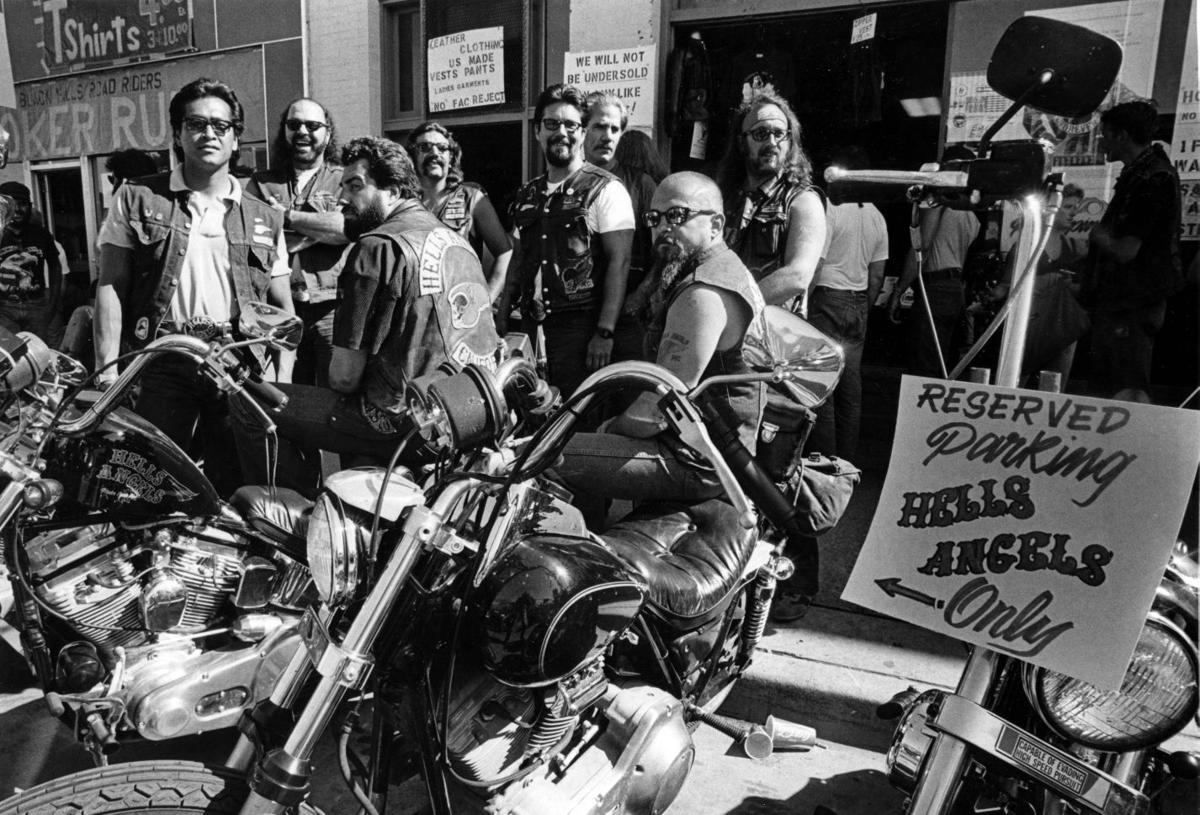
pixel 674 345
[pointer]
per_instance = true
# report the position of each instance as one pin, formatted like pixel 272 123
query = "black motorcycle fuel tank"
pixel 128 468
pixel 549 605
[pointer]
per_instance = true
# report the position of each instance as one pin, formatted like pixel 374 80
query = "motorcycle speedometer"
pixel 1156 699
pixel 333 543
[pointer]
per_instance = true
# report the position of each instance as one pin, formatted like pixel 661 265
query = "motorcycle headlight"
pixel 334 542
pixel 1156 699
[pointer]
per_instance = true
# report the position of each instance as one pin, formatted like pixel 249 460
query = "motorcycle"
pixel 1013 737
pixel 147 607
pixel 518 661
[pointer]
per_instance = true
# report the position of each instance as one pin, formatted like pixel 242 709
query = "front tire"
pixel 135 786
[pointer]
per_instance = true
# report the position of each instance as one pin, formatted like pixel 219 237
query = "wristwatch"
pixel 604 333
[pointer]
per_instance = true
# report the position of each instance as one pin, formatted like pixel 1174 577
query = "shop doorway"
pixel 59 197
pixel 492 158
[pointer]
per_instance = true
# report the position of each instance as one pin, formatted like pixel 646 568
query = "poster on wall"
pixel 466 69
pixel 79 34
pixel 105 111
pixel 627 73
pixel 1008 517
pixel 1185 146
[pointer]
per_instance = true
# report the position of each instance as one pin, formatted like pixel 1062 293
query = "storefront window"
pixel 402 43
pixel 467 15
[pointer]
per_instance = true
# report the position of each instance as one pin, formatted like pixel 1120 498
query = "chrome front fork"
pixel 280 780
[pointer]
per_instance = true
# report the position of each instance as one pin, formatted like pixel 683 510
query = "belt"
pixel 949 273
pixel 203 328
pixel 23 297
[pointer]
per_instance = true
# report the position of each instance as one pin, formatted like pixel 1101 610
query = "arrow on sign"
pixel 892 588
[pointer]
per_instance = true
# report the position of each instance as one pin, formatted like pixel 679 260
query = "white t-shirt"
pixel 856 236
pixel 205 279
pixel 612 209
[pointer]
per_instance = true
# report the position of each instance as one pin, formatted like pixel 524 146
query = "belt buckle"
pixel 202 327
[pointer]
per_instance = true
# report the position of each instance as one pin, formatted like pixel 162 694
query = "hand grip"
pixel 266 394
pixel 882 186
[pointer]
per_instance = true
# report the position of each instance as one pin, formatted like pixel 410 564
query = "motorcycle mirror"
pixel 808 362
pixel 1081 64
pixel 261 321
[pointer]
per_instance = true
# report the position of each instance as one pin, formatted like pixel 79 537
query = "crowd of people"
pixel 398 264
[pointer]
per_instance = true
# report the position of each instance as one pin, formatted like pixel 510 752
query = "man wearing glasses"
pixel 575 229
pixel 776 218
pixel 182 252
pixel 702 307
pixel 460 205
pixel 303 185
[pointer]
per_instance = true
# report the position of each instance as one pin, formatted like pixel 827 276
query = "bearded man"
pixel 413 297
pixel 303 184
pixel 704 303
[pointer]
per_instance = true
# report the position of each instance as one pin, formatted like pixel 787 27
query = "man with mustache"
pixel 459 204
pixel 304 185
pixel 775 216
pixel 575 228
pixel 183 252
pixel 704 303
pixel 413 297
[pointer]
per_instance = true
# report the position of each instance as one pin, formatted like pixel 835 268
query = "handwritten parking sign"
pixel 1035 524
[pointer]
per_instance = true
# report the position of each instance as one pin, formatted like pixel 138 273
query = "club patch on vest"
pixel 463 355
pixel 456 210
pixel 467 302
pixel 429 273
pixel 262 233
pixel 142 329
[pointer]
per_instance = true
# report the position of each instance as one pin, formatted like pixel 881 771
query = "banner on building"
pixel 1008 517
pixel 106 111
pixel 1185 146
pixel 78 34
pixel 466 69
pixel 626 73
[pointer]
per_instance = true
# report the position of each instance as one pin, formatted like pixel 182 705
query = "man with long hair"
pixel 183 252
pixel 413 298
pixel 460 205
pixel 775 216
pixel 303 185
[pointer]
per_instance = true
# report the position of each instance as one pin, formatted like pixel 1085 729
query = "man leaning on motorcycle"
pixel 703 303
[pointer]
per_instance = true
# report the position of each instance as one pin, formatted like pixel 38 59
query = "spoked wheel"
pixel 136 786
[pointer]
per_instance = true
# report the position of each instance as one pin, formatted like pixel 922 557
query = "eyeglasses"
pixel 555 125
pixel 199 124
pixel 675 216
pixel 761 134
pixel 427 147
pixel 309 125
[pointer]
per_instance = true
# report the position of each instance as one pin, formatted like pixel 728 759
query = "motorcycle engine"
pixel 126 586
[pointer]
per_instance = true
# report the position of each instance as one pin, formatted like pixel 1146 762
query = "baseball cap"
pixel 16 191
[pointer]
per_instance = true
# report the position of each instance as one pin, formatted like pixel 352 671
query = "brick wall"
pixel 344 63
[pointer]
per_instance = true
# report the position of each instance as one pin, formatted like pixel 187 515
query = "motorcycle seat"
pixel 690 556
pixel 278 514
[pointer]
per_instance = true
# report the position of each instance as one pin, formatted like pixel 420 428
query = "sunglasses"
pixel 309 125
pixel 761 134
pixel 427 147
pixel 561 124
pixel 675 216
pixel 200 124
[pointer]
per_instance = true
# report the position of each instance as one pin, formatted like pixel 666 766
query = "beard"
pixel 556 159
pixel 370 216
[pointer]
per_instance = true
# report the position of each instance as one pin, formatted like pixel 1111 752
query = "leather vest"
pixel 457 211
pixel 315 265
pixel 562 265
pixel 740 403
pixel 761 239
pixel 442 311
pixel 161 220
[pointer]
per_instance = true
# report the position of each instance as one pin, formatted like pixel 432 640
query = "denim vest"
pixel 161 221
pixel 760 242
pixel 561 266
pixel 315 265
pixel 741 403
pixel 442 310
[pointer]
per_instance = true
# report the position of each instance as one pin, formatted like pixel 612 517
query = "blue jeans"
pixel 316 344
pixel 313 420
pixel 843 316
pixel 34 316
pixel 1123 348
